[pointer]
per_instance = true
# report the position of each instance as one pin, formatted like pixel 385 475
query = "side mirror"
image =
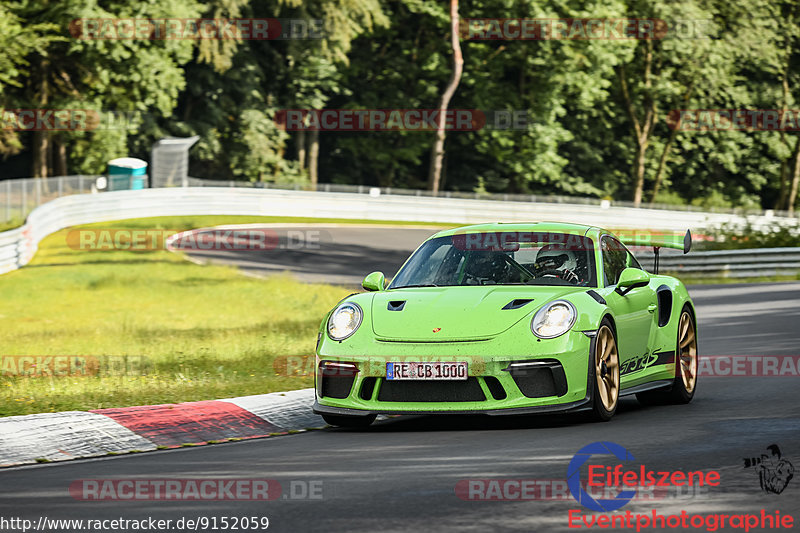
pixel 631 278
pixel 374 282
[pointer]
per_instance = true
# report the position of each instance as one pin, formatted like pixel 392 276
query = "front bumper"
pixel 540 409
pixel 558 382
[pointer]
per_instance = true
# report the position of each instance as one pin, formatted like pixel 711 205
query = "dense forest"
pixel 601 112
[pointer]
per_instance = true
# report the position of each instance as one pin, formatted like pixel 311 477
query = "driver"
pixel 553 260
pixel 486 266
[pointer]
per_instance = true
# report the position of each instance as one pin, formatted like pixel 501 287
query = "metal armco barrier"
pixel 18 246
pixel 747 263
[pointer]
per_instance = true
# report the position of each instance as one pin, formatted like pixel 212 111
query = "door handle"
pixel 652 307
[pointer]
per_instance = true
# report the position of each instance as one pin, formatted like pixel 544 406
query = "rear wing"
pixel 658 240
pixel 667 239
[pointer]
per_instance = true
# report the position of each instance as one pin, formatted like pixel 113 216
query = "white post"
pixel 24 199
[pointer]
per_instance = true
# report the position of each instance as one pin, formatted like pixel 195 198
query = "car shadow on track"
pixel 412 423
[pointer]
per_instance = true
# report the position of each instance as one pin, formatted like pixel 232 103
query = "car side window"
pixel 615 259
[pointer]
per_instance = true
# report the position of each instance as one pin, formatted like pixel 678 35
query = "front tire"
pixel 345 421
pixel 606 373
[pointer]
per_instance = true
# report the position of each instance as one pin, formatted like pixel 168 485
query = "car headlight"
pixel 344 321
pixel 553 319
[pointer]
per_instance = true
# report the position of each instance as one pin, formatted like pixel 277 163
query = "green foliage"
pixel 18 41
pixel 668 198
pixel 712 200
pixel 257 155
pixel 395 54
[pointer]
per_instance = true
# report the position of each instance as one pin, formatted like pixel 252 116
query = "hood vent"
pixel 516 304
pixel 396 305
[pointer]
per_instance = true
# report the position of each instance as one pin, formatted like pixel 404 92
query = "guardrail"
pixel 499 197
pixel 18 246
pixel 18 197
pixel 746 263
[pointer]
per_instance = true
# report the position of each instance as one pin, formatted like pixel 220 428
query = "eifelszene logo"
pixel 774 472
pixel 629 481
pixel 574 476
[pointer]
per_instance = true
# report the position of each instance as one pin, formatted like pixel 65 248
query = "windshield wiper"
pixel 417 285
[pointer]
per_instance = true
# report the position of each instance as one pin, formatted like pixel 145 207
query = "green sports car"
pixel 510 319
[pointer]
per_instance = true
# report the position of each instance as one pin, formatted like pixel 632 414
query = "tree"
pixel 313 63
pixel 118 75
pixel 788 44
pixel 18 41
pixel 437 152
pixel 661 75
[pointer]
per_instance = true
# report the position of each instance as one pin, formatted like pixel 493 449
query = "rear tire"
pixel 685 383
pixel 346 421
pixel 605 373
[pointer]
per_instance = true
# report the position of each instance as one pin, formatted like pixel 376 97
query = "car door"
pixel 633 311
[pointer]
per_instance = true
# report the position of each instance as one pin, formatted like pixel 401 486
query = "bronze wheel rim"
pixel 687 349
pixel 606 362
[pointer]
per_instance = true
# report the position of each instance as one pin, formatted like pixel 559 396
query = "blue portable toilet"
pixel 127 173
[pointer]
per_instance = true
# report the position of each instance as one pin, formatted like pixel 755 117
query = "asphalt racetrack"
pixel 341 254
pixel 401 474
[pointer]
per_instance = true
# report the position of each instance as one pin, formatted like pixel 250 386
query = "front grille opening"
pixel 367 388
pixel 336 383
pixel 495 388
pixel 431 391
pixel 541 382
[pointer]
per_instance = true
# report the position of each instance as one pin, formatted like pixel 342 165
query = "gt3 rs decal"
pixel 645 361
pixel 665 358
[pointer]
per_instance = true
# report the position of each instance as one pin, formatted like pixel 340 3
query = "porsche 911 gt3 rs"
pixel 509 319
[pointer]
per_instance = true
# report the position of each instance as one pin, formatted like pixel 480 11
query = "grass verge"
pixel 153 327
pixel 10 224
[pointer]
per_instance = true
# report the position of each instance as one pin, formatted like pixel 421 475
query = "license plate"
pixel 427 371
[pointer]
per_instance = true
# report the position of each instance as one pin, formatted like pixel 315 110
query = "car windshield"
pixel 500 258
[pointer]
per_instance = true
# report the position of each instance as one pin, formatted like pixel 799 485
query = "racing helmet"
pixel 556 257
